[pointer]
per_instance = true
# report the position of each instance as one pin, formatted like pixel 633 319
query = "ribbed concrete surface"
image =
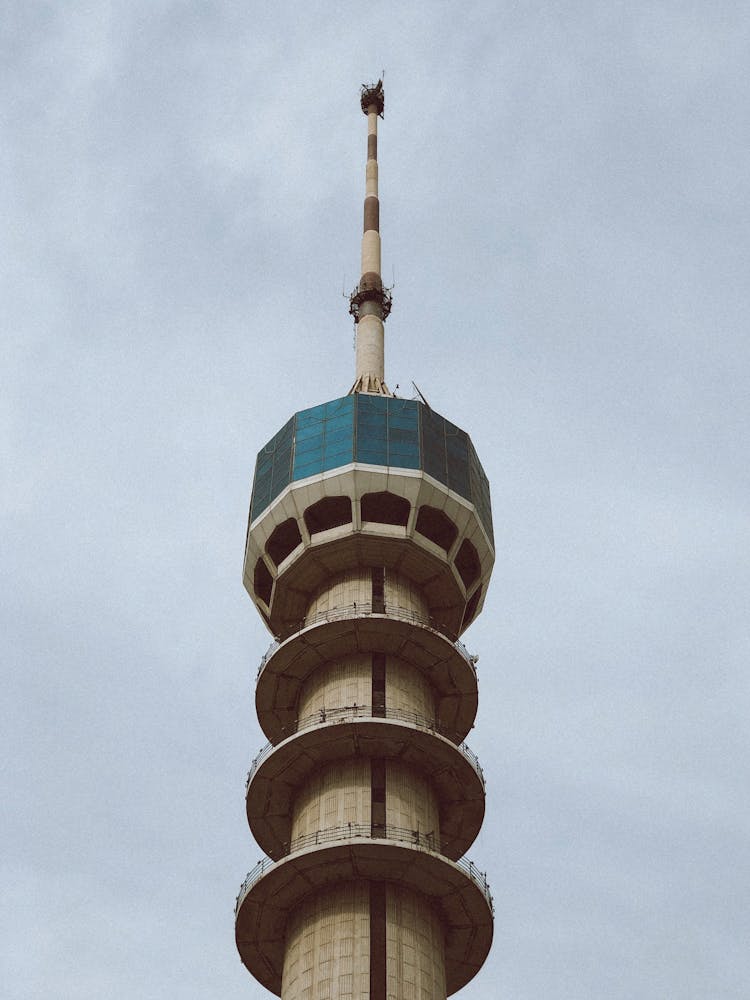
pixel 302 758
pixel 452 676
pixel 460 904
pixel 415 964
pixel 328 945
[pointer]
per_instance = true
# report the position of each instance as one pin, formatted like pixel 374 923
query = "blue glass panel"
pixel 341 453
pixel 379 430
pixel 336 434
pixel 480 491
pixel 336 417
pixel 335 461
pixel 314 415
pixel 272 470
pixel 402 451
pixel 456 446
pixel 339 442
pixel 341 406
pixel 308 469
pixel 310 432
pixel 433 444
pixel 324 437
pixel 401 435
pixel 405 409
pixel 371 455
pixel 308 444
pixel 365 402
pixel 404 421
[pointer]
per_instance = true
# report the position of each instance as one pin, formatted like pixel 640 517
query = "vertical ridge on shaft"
pixel 378 943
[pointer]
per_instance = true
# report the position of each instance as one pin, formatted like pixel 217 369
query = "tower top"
pixel 372 94
pixel 370 303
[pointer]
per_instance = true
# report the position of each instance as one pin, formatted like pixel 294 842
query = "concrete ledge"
pixel 456 778
pixel 457 891
pixel 367 543
pixel 448 666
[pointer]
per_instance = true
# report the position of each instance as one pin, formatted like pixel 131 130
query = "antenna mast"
pixel 370 302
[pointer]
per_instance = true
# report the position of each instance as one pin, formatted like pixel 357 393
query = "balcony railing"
pixel 359 609
pixel 422 841
pixel 348 713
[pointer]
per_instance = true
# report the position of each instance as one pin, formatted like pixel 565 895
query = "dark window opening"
pixel 471 608
pixel 262 581
pixel 378 685
pixel 330 512
pixel 378 941
pixel 467 563
pixel 385 508
pixel 377 799
pixel 437 526
pixel 284 539
pixel 378 590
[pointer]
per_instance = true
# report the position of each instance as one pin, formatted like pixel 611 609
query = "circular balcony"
pixel 353 731
pixel 457 889
pixel 356 628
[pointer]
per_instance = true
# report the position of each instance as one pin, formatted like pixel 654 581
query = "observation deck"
pixel 457 891
pixel 280 770
pixel 369 480
pixel 357 628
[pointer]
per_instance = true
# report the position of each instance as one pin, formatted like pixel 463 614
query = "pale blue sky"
pixel 564 204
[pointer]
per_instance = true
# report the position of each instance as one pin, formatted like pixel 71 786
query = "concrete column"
pixel 408 690
pixel 370 358
pixel 338 794
pixel 410 802
pixel 328 946
pixel 362 940
pixel 371 253
pixel 336 685
pixel 415 961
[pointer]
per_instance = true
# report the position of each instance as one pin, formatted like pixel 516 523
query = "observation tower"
pixel 369 550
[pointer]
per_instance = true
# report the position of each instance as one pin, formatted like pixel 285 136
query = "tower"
pixel 369 551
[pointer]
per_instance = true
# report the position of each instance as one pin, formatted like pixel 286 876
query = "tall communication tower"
pixel 369 551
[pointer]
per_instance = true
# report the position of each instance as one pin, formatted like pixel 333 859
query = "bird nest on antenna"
pixel 370 293
pixel 372 93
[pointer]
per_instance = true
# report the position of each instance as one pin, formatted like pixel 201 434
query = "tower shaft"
pixel 368 553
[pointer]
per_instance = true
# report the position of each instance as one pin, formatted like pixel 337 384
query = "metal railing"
pixel 349 713
pixel 365 831
pixel 361 609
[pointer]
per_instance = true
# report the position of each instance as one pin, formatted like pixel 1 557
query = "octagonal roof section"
pixel 371 430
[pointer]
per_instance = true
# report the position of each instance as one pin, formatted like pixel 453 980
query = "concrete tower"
pixel 369 551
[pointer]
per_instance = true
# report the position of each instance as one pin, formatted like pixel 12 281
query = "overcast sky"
pixel 564 207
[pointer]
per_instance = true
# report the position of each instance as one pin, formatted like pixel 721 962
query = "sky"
pixel 565 192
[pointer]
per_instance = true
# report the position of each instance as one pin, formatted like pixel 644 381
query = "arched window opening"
pixel 471 608
pixel 330 512
pixel 262 582
pixel 385 508
pixel 467 563
pixel 437 526
pixel 284 539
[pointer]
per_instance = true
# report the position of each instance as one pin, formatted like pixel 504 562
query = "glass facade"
pixel 323 438
pixel 376 430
